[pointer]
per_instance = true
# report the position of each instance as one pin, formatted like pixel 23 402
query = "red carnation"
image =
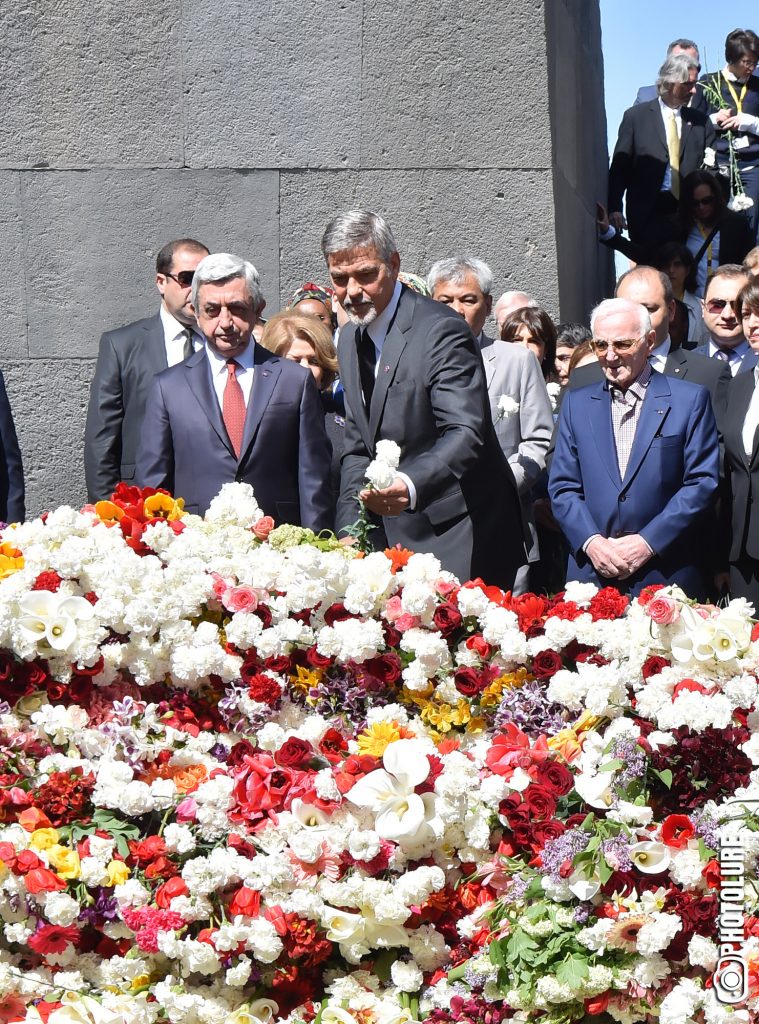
pixel 608 604
pixel 49 580
pixel 170 889
pixel 246 902
pixel 142 852
pixel 263 688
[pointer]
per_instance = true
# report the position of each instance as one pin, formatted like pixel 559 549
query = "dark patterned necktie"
pixel 188 348
pixel 367 363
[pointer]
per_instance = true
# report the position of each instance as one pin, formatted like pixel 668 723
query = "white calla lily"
pixel 650 857
pixel 341 926
pixel 50 620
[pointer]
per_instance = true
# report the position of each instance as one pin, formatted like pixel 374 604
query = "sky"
pixel 636 33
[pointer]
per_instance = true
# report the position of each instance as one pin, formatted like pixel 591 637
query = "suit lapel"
pixel 661 133
pixel 393 346
pixel 265 377
pixel 198 371
pixel 685 132
pixel 488 360
pixel 155 345
pixel 653 414
pixel 676 365
pixel 599 415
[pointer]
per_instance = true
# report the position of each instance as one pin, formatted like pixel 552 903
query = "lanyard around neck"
pixel 738 100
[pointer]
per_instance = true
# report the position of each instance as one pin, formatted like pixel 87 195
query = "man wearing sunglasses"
pixel 128 359
pixel 635 470
pixel 726 341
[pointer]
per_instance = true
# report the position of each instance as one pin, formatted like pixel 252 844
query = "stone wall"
pixel 476 127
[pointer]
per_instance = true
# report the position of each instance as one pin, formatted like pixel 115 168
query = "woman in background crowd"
pixel 686 329
pixel 316 301
pixel 533 328
pixel 307 340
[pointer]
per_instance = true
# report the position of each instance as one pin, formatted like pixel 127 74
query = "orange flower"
pixel 11 559
pixel 398 556
pixel 189 777
pixel 33 818
pixel 108 512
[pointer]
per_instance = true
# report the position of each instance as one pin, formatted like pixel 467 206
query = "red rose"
pixel 385 667
pixel 469 681
pixel 316 660
pixel 481 647
pixel 169 890
pixel 555 776
pixel 294 753
pixel 336 613
pixel 546 664
pixel 653 665
pixel 540 801
pixel 544 831
pixel 246 902
pixel 447 619
pixel 143 851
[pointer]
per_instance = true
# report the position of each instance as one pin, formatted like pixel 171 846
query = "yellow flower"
pixel 65 861
pixel 377 737
pixel 3 871
pixel 141 981
pixel 118 872
pixel 475 724
pixel 306 679
pixel 108 512
pixel 163 506
pixel 444 716
pixel 43 838
pixel 11 559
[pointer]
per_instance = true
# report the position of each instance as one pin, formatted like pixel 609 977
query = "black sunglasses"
pixel 183 278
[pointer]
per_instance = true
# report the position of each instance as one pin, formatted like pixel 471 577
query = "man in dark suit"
pixel 236 412
pixel 653 289
pixel 634 474
pixel 128 359
pixel 659 143
pixel 11 469
pixel 677 48
pixel 726 343
pixel 413 374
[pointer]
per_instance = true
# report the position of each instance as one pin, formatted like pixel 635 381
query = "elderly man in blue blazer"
pixel 234 411
pixel 636 465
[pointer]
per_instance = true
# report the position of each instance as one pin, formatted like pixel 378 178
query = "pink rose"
pixel 663 610
pixel 393 608
pixel 220 585
pixel 187 810
pixel 240 599
pixel 263 527
pixel 406 621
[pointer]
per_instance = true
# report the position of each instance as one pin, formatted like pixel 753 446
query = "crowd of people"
pixel 623 452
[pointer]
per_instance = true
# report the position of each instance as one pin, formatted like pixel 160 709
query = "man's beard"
pixel 360 321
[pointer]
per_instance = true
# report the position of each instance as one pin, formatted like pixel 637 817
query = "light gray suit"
pixel 524 436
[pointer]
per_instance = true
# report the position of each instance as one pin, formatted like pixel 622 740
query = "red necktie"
pixel 233 408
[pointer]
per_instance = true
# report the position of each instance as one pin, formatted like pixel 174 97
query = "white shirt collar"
pixel 666 111
pixel 659 355
pixel 379 327
pixel 739 351
pixel 727 73
pixel 246 359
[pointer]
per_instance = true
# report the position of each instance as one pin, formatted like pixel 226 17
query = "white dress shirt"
pixel 220 374
pixel 173 337
pixel 751 421
pixel 735 355
pixel 658 358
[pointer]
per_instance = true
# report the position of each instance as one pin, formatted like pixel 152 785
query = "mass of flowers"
pixel 249 775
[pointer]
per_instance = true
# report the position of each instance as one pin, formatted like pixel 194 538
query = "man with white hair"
pixel 659 144
pixel 677 48
pixel 508 303
pixel 236 412
pixel 519 402
pixel 635 471
pixel 412 374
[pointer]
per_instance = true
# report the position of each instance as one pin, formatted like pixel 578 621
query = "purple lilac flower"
pixel 517 888
pixel 581 913
pixel 5 708
pixel 617 853
pixel 529 708
pixel 706 828
pixel 557 852
pixel 633 758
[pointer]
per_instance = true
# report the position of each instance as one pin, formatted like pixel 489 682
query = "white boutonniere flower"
pixel 710 157
pixel 554 390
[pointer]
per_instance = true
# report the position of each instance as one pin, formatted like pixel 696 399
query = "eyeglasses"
pixel 717 305
pixel 183 278
pixel 620 347
pixel 746 62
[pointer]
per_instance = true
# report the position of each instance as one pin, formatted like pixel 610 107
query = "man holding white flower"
pixel 413 375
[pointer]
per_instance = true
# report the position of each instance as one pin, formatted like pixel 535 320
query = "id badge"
pixel 741 142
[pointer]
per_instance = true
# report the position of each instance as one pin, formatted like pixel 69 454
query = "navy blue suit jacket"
pixel 11 469
pixel 668 489
pixel 285 454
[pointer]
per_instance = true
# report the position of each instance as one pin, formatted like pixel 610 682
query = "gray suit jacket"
pixel 524 436
pixel 128 359
pixel 430 398
pixel 285 453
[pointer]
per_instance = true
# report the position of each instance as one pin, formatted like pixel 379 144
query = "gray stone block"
pixel 272 84
pixel 92 238
pixel 454 85
pixel 12 268
pixel 504 217
pixel 49 411
pixel 91 84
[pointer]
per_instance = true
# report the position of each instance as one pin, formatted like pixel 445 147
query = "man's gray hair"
pixel 223 266
pixel 359 229
pixel 611 307
pixel 457 269
pixel 675 71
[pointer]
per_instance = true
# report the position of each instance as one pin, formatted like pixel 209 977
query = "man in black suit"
pixel 676 48
pixel 413 374
pixel 659 143
pixel 11 469
pixel 653 290
pixel 128 359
